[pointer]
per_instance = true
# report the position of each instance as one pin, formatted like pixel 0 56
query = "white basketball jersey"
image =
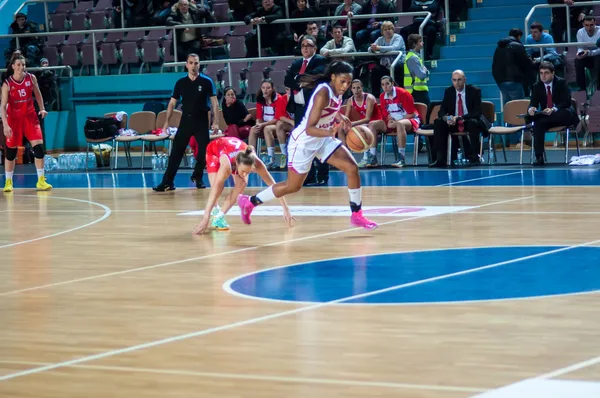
pixel 327 119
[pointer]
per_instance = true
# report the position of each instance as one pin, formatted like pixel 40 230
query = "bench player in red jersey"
pixel 230 156
pixel 20 120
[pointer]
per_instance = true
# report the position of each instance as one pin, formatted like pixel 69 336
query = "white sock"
pixel 355 196
pixel 9 174
pixel 373 151
pixel 219 214
pixel 266 195
pixel 271 151
pixel 366 156
pixel 402 151
pixel 40 172
pixel 283 149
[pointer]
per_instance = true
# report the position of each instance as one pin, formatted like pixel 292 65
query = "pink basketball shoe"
pixel 358 220
pixel 246 208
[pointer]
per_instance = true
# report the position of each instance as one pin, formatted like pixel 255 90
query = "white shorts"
pixel 302 153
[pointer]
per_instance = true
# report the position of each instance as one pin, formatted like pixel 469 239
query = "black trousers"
pixel 191 125
pixel 592 63
pixel 542 123
pixel 441 130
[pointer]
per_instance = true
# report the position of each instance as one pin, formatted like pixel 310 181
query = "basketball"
pixel 359 139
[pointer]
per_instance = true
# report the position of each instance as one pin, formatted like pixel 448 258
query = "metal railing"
pixel 94 33
pixel 398 54
pixel 65 67
pixel 540 6
pixel 550 45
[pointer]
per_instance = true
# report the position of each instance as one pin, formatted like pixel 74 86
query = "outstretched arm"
pixel 215 191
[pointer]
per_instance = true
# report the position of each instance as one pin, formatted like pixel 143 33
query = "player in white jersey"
pixel 315 137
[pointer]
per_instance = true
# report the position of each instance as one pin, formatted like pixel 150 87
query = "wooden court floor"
pixel 105 293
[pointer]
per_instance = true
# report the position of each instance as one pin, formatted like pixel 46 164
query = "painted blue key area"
pixel 569 271
pixel 394 178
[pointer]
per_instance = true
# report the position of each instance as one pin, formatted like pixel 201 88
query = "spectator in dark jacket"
pixel 272 36
pixel 189 40
pixel 30 46
pixel 371 28
pixel 559 20
pixel 511 67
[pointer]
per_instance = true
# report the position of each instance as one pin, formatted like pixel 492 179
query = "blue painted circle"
pixel 451 275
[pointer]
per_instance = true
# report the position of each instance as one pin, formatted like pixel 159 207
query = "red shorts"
pixel 415 125
pixel 27 126
pixel 212 159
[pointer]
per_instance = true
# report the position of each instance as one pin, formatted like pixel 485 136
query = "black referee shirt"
pixel 195 94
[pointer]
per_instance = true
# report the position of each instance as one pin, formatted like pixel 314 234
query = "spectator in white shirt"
pixel 588 55
pixel 340 44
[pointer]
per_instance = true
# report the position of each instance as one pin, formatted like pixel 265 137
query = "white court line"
pixel 478 179
pixel 186 260
pixel 526 212
pixel 277 315
pixel 107 213
pixel 569 369
pixel 270 378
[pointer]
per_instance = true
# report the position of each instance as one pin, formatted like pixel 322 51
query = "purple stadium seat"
pixel 64 8
pixel 55 40
pixel 57 22
pixel 278 77
pixel 220 32
pixel 70 56
pixel 258 66
pixel 241 30
pixel 75 39
pixel 283 64
pixel 78 21
pixel 151 53
pixel 404 20
pixel 84 6
pixel 128 55
pixel 52 55
pixel 87 57
pixel 103 5
pixel 168 57
pixel 156 35
pixel 135 35
pixel 221 12
pixel 108 54
pixel 98 20
pixel 237 47
pixel 113 37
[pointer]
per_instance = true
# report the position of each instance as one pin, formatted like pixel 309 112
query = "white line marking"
pixel 569 369
pixel 107 213
pixel 284 379
pixel 167 264
pixel 478 179
pixel 526 212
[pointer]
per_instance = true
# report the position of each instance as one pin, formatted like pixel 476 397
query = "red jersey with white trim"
pixel 362 109
pixel 398 105
pixel 20 96
pixel 229 146
pixel 268 112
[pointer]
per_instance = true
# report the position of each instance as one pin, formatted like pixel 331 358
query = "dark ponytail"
pixel 246 157
pixel 334 68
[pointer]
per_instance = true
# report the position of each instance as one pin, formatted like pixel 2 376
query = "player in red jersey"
pixel 20 119
pixel 230 156
pixel 366 107
pixel 399 113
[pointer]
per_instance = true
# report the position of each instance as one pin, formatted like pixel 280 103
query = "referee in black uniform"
pixel 199 96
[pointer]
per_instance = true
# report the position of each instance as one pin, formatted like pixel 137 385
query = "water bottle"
pixel 460 160
pixel 154 162
pixel 164 160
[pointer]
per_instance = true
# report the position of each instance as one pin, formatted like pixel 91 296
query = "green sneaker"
pixel 283 162
pixel 215 211
pixel 220 224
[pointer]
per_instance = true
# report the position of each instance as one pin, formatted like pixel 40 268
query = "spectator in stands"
pixel 301 11
pixel 340 44
pixel 389 41
pixel 312 29
pixel 162 9
pixel 348 9
pixel 552 96
pixel 415 73
pixel 189 40
pixel 236 115
pixel 47 84
pixel 240 8
pixel 30 46
pixel 538 36
pixel 310 64
pixel 460 111
pixel 371 28
pixel 588 55
pixel 399 114
pixel 559 19
pixel 511 67
pixel 128 10
pixel 430 30
pixel 267 101
pixel 271 35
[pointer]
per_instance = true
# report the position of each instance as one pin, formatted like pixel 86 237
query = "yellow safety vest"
pixel 413 82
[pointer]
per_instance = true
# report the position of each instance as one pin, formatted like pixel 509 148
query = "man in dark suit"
pixel 310 64
pixel 460 111
pixel 552 95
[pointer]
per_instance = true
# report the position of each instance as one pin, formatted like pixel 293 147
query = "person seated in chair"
pixel 460 111
pixel 552 95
